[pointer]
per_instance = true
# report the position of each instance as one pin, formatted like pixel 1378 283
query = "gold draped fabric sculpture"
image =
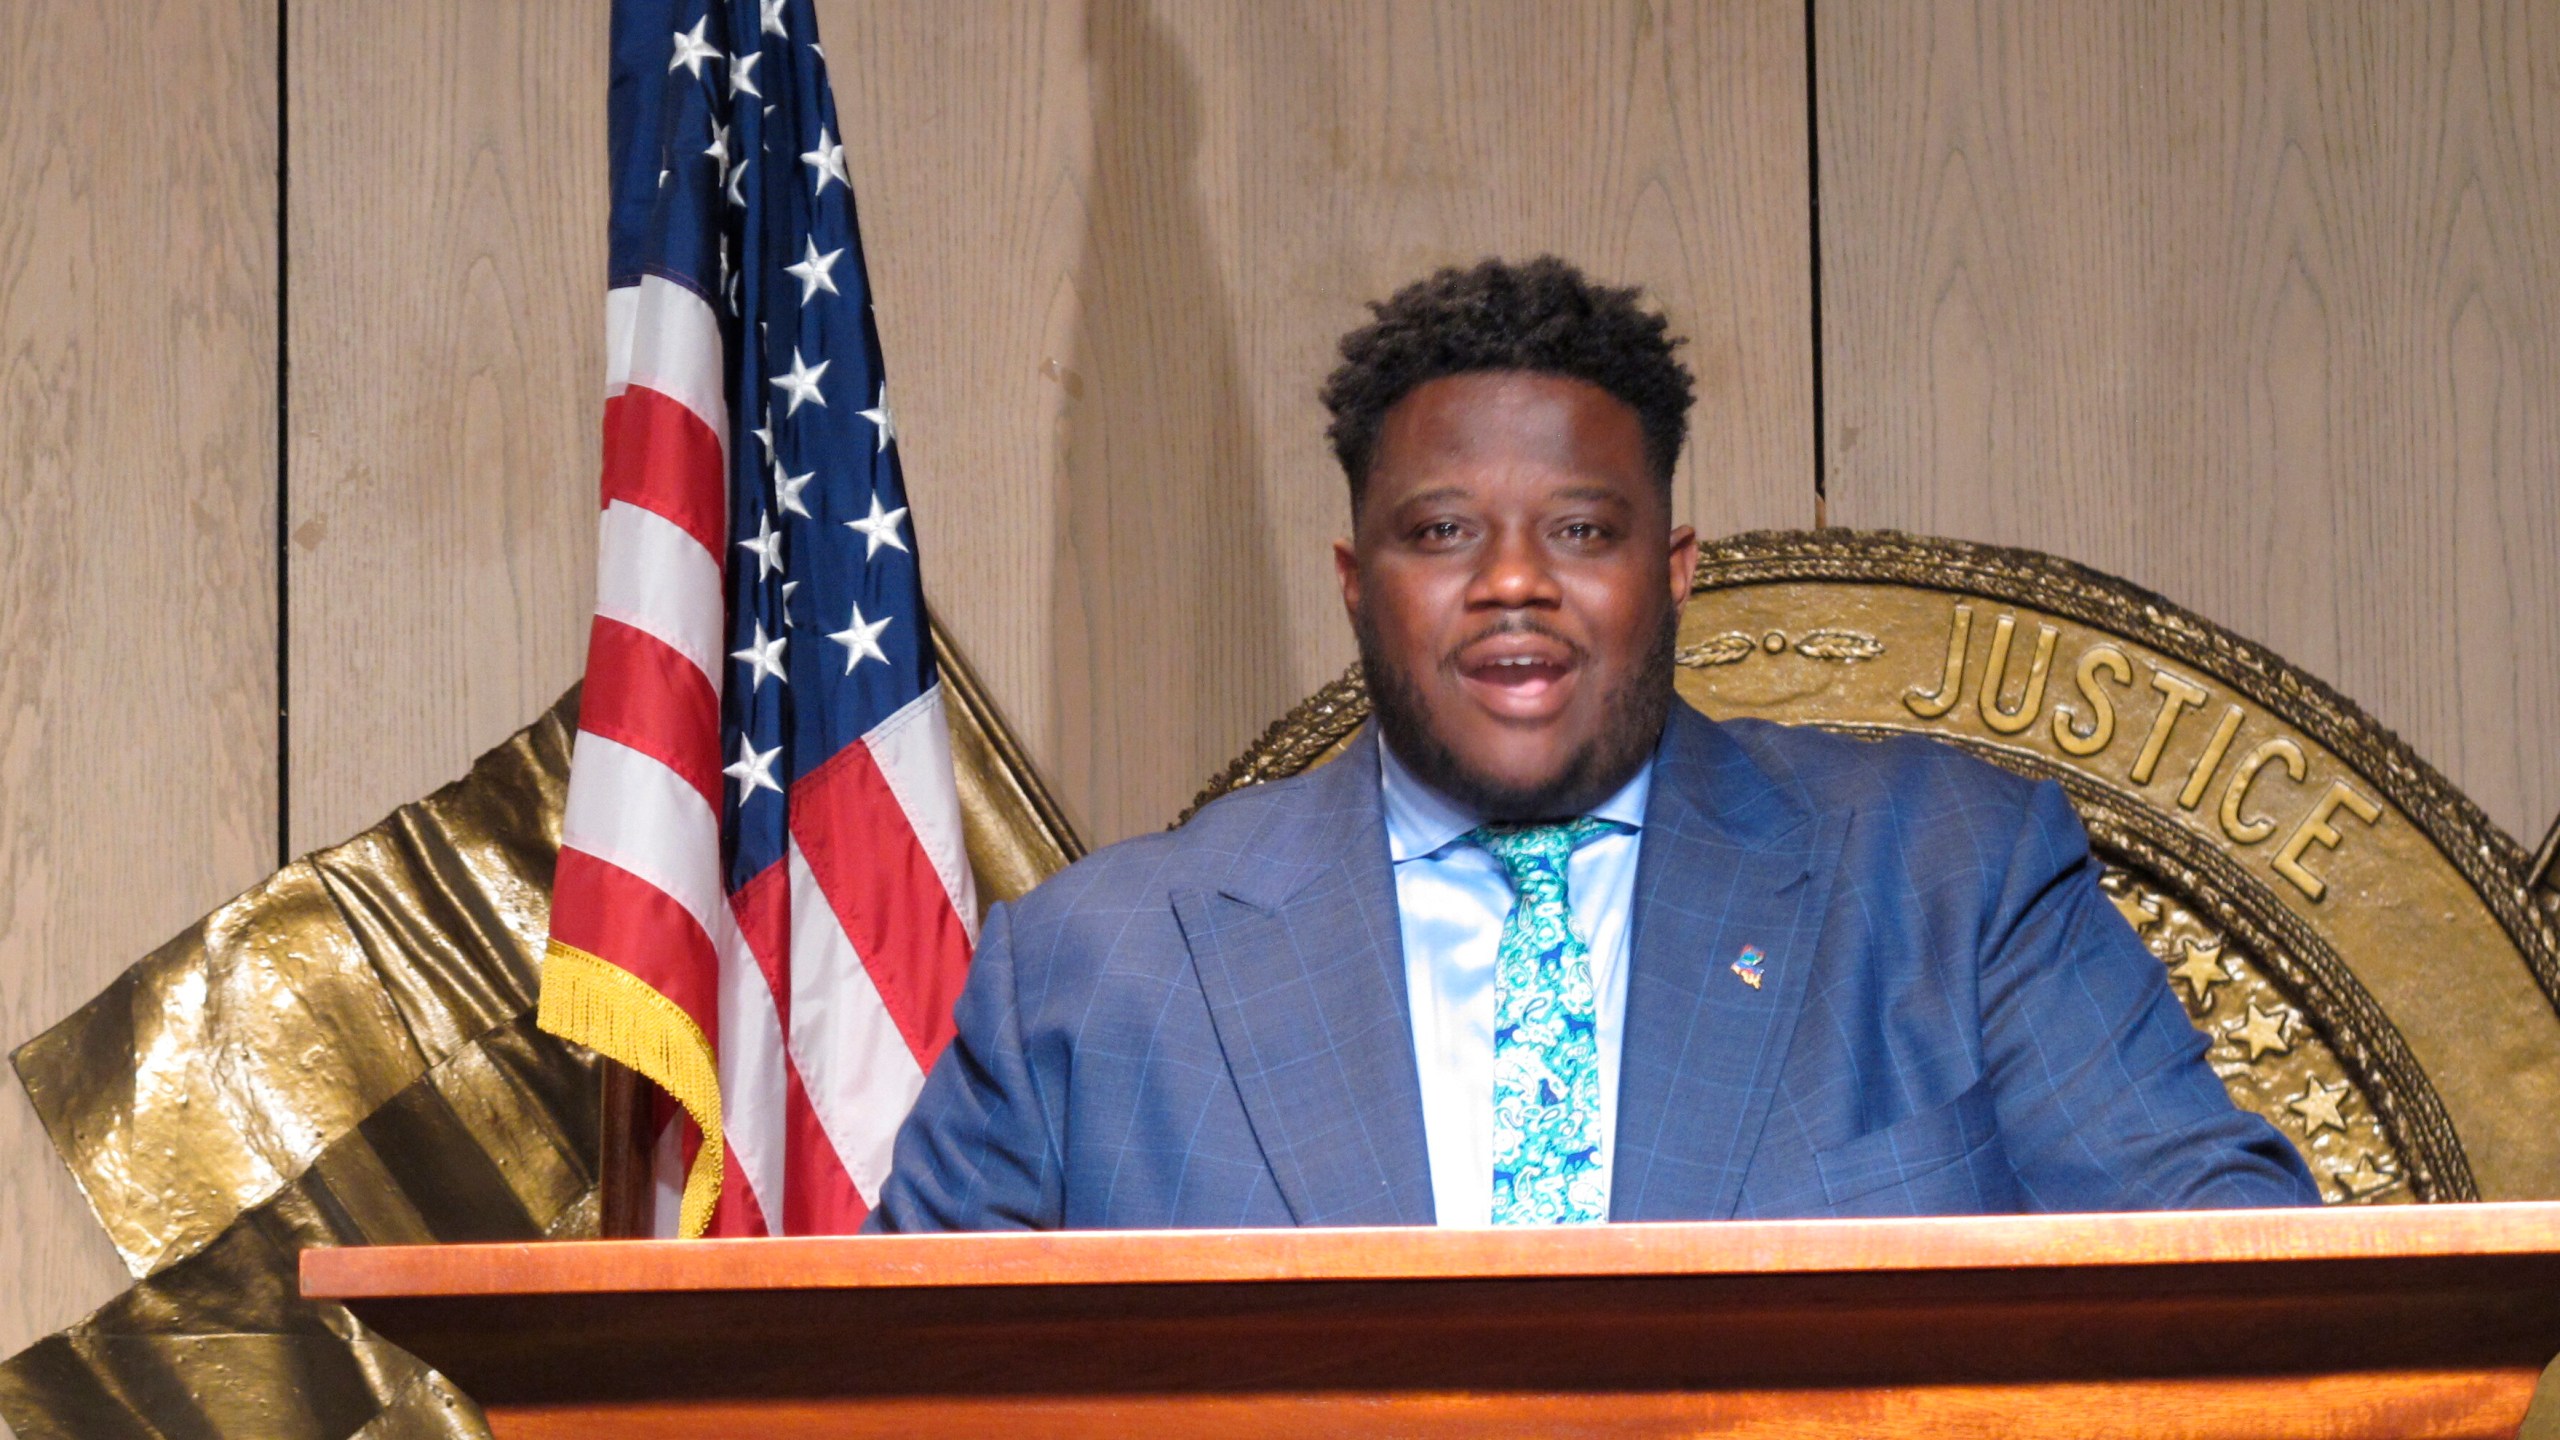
pixel 346 1054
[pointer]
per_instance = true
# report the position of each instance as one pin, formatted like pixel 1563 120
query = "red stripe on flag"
pixel 616 916
pixel 659 456
pixel 886 894
pixel 641 693
pixel 739 1210
pixel 818 1198
pixel 763 908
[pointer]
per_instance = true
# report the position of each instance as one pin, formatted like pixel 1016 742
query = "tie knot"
pixel 1529 852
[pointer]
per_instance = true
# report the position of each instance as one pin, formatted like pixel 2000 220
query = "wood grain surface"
pixel 137 528
pixel 2422 1406
pixel 2528 1230
pixel 2257 304
pixel 1115 244
pixel 2406 1321
pixel 446 266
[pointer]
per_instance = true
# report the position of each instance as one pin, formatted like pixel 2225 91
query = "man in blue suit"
pixel 1544 945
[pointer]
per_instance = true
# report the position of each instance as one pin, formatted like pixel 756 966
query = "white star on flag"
pixel 718 149
pixel 766 547
pixel 827 160
pixel 764 436
pixel 786 492
pixel 882 420
pixel 754 770
pixel 737 184
pixel 692 50
pixel 801 383
pixel 813 272
pixel 880 528
pixel 764 657
pixel 772 23
pixel 861 640
pixel 742 76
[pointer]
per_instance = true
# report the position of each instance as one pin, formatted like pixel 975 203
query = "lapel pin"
pixel 1748 967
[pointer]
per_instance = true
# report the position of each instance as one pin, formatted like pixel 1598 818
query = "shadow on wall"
pixel 1167 628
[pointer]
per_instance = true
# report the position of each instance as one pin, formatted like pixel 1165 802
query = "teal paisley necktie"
pixel 1546 1049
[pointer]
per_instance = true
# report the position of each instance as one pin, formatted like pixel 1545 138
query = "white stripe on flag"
pixel 913 750
pixel 860 1076
pixel 621 313
pixel 666 1176
pixel 661 336
pixel 654 577
pixel 630 811
pixel 751 1081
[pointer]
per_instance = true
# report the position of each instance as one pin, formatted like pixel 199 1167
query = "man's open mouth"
pixel 1519 673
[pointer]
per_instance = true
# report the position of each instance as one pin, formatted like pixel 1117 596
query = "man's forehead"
pixel 1514 415
pixel 1576 490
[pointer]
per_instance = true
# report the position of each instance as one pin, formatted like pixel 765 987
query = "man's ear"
pixel 1346 568
pixel 1684 564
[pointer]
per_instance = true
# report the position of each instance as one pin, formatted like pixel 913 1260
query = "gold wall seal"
pixel 2362 945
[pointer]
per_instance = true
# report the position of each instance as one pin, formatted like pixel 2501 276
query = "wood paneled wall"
pixel 2250 303
pixel 2256 304
pixel 137 534
pixel 446 383
pixel 1109 296
pixel 1115 241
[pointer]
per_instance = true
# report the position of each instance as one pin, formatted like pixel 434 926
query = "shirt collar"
pixel 1422 822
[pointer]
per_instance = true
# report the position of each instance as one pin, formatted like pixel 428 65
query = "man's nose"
pixel 1514 575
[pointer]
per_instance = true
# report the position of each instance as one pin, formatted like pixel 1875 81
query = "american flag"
pixel 763 902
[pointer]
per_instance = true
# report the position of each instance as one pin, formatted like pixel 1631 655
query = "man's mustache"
pixel 1515 625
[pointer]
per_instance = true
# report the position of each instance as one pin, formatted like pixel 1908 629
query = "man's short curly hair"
pixel 1541 315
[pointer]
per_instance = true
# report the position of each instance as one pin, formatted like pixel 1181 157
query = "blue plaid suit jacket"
pixel 1209 1027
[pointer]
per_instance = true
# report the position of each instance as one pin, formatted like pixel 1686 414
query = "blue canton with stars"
pixel 730 179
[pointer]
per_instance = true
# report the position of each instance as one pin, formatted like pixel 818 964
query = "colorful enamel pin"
pixel 1748 967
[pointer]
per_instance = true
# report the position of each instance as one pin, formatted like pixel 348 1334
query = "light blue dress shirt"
pixel 1451 900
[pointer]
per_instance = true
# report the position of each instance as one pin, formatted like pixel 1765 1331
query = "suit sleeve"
pixel 976 1152
pixel 2104 1096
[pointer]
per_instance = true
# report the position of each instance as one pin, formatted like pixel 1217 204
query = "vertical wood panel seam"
pixel 284 437
pixel 1813 232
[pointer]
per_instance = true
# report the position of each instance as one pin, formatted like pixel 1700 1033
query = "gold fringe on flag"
pixel 596 1003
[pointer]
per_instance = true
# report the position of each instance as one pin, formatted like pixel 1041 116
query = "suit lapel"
pixel 1729 862
pixel 1302 962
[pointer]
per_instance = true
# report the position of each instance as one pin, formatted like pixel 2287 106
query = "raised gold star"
pixel 2263 1031
pixel 2139 910
pixel 2366 1179
pixel 2318 1106
pixel 2202 969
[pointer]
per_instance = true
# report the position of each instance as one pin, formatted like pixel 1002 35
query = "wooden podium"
pixel 2402 1321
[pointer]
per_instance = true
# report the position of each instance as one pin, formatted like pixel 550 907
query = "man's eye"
pixel 1583 531
pixel 1440 532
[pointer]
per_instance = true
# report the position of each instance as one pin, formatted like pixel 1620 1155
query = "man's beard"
pixel 1634 713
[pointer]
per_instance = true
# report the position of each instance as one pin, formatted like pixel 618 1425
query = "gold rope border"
pixel 596 1003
